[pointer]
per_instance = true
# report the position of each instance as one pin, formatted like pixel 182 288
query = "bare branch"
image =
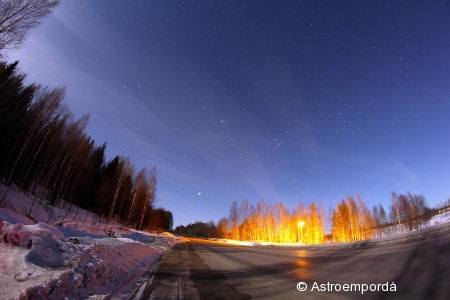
pixel 17 17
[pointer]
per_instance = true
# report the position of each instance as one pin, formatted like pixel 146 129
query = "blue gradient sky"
pixel 283 100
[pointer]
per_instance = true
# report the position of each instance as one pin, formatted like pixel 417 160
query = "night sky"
pixel 291 101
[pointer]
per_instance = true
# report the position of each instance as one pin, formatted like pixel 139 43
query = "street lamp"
pixel 300 229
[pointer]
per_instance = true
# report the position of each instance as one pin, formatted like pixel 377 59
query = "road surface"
pixel 200 269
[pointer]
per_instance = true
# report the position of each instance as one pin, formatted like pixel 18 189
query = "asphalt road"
pixel 201 269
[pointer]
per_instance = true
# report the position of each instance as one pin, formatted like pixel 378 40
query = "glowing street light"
pixel 300 229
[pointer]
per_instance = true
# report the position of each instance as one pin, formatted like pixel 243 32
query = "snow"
pixel 84 257
pixel 77 260
pixel 443 217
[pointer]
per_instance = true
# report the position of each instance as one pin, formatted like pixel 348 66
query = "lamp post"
pixel 300 229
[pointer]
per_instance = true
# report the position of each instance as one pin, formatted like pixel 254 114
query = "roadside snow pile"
pixel 21 235
pixel 161 243
pixel 441 218
pixel 36 263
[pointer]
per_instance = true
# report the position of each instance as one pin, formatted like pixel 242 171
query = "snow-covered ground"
pixel 443 217
pixel 75 259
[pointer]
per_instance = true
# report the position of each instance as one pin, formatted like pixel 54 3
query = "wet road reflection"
pixel 419 269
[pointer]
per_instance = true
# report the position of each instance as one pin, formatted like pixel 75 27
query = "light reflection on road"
pixel 303 265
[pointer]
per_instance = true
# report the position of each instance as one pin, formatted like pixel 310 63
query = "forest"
pixel 45 152
pixel 351 220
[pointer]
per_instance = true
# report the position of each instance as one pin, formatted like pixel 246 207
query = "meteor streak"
pixel 279 144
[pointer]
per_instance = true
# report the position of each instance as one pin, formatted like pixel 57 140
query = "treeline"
pixel 408 212
pixel 45 151
pixel 273 223
pixel 443 207
pixel 201 229
pixel 351 220
pixel 264 222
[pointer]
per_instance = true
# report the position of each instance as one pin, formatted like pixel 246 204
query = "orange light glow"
pixel 274 223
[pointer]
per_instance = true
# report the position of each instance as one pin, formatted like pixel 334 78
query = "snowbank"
pixel 75 259
pixel 443 217
pixel 38 263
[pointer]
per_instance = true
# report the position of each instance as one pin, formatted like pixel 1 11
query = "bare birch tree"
pixel 18 17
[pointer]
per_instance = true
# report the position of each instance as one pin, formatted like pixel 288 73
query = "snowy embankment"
pixel 76 260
